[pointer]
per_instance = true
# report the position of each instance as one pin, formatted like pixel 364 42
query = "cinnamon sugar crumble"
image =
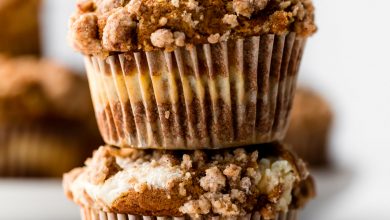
pixel 232 171
pixel 102 166
pixel 214 38
pixel 118 31
pixel 162 38
pixel 230 20
pixel 175 3
pixel 163 21
pixel 198 207
pixel 213 181
pixel 102 26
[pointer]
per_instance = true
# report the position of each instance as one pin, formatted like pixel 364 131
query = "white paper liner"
pixel 31 150
pixel 206 97
pixel 90 214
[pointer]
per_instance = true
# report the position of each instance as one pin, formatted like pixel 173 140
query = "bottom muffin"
pixel 258 182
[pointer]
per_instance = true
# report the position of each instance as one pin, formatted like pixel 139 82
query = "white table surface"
pixel 36 200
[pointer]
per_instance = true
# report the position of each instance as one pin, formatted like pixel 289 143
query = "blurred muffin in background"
pixel 310 126
pixel 47 123
pixel 19 21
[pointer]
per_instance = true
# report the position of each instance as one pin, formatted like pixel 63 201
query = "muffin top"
pixel 228 183
pixel 104 26
pixel 35 89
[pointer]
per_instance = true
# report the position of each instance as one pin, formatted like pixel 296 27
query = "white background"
pixel 348 61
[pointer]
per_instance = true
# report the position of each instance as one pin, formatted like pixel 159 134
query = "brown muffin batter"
pixel 227 183
pixel 102 26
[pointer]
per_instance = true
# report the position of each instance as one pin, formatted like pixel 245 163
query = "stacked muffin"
pixel 191 98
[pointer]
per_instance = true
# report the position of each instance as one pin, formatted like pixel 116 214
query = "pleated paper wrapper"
pixel 90 214
pixel 207 96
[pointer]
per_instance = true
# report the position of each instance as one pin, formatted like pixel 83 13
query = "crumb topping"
pixel 229 183
pixel 230 20
pixel 214 180
pixel 102 166
pixel 100 27
pixel 162 38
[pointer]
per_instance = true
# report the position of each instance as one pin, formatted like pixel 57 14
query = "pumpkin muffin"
pixel 19 21
pixel 187 74
pixel 265 182
pixel 46 118
pixel 310 127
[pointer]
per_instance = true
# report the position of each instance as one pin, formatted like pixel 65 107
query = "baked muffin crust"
pixel 104 26
pixel 227 183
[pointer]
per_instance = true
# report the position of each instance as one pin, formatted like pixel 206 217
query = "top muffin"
pixel 104 26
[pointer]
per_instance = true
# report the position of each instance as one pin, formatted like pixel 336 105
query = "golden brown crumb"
pixel 213 39
pixel 118 31
pixel 102 166
pixel 162 38
pixel 213 181
pixel 232 171
pixel 230 20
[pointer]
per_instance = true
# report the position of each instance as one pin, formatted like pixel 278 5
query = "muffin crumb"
pixel 102 166
pixel 187 162
pixel 193 5
pixel 222 204
pixel 84 33
pixel 198 207
pixel 233 171
pixel 162 38
pixel 214 180
pixel 175 3
pixel 230 19
pixel 238 195
pixel 163 21
pixel 117 34
pixel 179 38
pixel 213 39
pixel 245 184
